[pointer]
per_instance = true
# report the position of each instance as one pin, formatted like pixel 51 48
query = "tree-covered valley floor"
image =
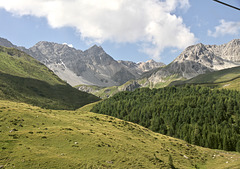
pixel 32 137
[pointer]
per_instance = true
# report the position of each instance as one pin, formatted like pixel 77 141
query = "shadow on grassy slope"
pixel 42 94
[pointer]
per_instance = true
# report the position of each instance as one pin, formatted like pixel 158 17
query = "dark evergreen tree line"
pixel 198 115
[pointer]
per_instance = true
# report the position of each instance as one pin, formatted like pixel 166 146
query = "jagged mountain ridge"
pixel 141 67
pixel 193 61
pixel 95 67
pixel 199 59
pixel 91 67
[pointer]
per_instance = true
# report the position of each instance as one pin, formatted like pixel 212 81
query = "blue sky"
pixel 135 30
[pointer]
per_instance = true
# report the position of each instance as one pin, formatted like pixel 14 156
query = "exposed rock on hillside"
pixel 131 86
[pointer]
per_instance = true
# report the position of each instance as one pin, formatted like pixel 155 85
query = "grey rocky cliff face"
pixel 141 67
pixel 130 86
pixel 91 67
pixel 149 65
pixel 199 59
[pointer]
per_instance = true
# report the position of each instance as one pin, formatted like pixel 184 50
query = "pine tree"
pixel 238 146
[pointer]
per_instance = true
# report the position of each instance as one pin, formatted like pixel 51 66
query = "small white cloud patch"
pixel 70 45
pixel 225 28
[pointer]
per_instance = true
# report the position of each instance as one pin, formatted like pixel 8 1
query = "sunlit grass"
pixel 32 137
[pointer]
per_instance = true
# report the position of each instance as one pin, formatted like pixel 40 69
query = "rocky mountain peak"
pixel 231 50
pixel 149 65
pixel 198 59
pixel 234 42
pixel 44 44
pixel 52 45
pixel 192 52
pixel 151 61
pixel 95 49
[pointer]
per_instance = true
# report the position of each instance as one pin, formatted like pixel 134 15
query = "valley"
pixel 167 111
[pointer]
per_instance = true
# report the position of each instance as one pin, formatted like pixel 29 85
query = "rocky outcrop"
pixel 149 65
pixel 130 86
pixel 89 89
pixel 141 67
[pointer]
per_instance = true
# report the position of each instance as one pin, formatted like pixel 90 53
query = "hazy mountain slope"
pixel 32 137
pixel 24 79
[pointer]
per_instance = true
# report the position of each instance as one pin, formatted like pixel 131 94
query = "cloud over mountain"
pixel 225 27
pixel 151 23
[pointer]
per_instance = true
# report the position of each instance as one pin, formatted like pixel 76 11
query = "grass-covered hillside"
pixel 227 78
pixel 198 115
pixel 32 137
pixel 24 79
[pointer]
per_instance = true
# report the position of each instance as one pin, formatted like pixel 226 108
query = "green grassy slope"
pixel 24 79
pixel 32 137
pixel 232 85
pixel 221 79
pixel 18 63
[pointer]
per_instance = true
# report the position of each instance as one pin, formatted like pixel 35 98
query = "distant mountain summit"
pixel 199 59
pixel 213 56
pixel 90 67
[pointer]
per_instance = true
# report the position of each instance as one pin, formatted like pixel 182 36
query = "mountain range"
pixel 195 60
pixel 90 67
pixel 94 67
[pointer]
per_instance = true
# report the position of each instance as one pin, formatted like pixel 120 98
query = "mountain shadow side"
pixel 24 79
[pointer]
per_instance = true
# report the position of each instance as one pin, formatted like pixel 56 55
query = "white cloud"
pixel 149 22
pixel 225 28
pixel 69 45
